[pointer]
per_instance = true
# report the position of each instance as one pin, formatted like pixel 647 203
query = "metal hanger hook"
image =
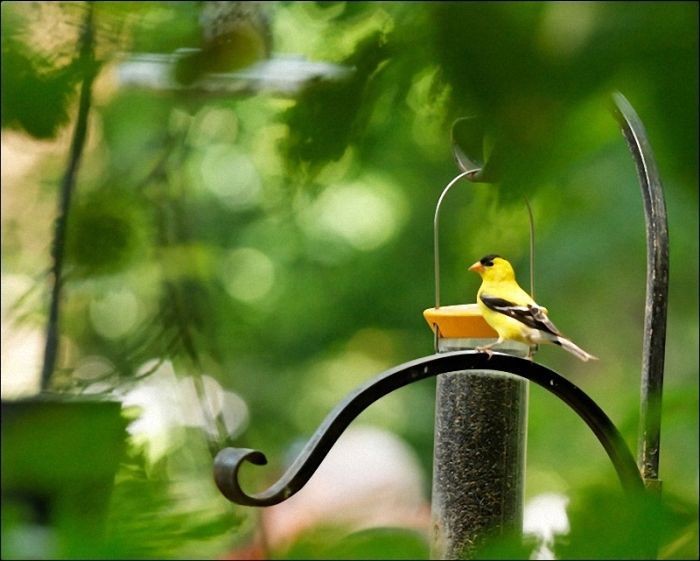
pixel 469 174
pixel 436 228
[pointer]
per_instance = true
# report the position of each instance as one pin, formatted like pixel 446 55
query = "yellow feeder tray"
pixel 463 321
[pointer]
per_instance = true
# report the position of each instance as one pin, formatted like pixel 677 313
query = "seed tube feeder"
pixel 473 498
pixel 480 415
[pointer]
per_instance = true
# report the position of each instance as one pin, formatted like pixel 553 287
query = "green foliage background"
pixel 284 245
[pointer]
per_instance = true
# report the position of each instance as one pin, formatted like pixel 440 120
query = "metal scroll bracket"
pixel 228 461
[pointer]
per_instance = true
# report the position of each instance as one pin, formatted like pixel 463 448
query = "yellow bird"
pixel 512 313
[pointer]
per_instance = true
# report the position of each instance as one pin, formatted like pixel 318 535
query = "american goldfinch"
pixel 512 313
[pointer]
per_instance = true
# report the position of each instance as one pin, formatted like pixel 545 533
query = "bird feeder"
pixel 478 496
pixel 480 419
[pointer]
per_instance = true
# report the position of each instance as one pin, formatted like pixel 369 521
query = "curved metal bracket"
pixel 229 460
pixel 657 286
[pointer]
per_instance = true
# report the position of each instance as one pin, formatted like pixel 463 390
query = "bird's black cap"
pixel 487 261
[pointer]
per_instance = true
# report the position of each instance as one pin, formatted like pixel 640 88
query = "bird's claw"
pixel 486 350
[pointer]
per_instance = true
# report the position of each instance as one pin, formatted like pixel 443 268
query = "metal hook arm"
pixel 229 460
pixel 656 285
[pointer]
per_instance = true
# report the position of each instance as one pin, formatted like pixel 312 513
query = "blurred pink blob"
pixel 370 478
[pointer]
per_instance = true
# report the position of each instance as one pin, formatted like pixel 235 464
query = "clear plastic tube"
pixel 479 453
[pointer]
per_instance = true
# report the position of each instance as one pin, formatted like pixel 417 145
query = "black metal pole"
pixel 656 288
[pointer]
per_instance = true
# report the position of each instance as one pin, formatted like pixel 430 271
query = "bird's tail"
pixel 574 349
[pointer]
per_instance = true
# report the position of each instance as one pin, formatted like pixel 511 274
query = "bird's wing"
pixel 530 314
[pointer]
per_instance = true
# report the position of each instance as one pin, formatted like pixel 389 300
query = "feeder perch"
pixel 462 321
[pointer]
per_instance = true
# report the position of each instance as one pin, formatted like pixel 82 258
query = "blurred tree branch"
pixel 89 68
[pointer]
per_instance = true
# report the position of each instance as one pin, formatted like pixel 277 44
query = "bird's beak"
pixel 477 267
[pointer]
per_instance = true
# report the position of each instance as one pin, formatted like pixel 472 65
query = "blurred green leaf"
pixel 606 525
pixel 36 92
pixel 327 117
pixel 59 459
pixel 376 543
pixel 108 230
pixel 150 519
pixel 505 547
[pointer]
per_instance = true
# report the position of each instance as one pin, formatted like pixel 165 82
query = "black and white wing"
pixel 530 314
